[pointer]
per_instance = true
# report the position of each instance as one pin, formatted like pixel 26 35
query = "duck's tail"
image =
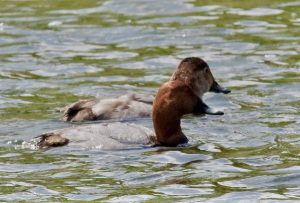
pixel 48 140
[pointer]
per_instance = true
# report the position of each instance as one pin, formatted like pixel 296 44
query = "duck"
pixel 179 96
pixel 121 108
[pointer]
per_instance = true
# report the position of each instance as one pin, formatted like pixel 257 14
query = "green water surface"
pixel 55 52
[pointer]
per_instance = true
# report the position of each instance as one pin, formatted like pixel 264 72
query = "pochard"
pixel 120 108
pixel 181 95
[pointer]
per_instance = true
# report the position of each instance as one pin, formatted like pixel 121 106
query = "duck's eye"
pixel 206 69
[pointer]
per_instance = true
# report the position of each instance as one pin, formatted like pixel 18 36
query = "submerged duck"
pixel 121 108
pixel 181 95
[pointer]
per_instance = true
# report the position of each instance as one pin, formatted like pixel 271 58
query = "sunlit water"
pixel 55 52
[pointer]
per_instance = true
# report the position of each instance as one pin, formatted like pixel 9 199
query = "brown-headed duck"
pixel 181 95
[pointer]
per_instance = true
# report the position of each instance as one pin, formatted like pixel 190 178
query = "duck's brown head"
pixel 195 73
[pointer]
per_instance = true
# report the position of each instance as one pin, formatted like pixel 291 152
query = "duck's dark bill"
pixel 218 88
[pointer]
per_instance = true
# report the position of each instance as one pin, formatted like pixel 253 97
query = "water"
pixel 55 52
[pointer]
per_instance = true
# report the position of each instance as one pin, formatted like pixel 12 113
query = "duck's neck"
pixel 173 100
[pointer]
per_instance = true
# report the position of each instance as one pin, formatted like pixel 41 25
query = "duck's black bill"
pixel 218 88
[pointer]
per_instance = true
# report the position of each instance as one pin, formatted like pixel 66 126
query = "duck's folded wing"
pixel 133 110
pixel 121 108
pixel 80 111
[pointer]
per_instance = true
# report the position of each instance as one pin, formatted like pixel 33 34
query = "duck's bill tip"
pixel 219 89
pixel 226 91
